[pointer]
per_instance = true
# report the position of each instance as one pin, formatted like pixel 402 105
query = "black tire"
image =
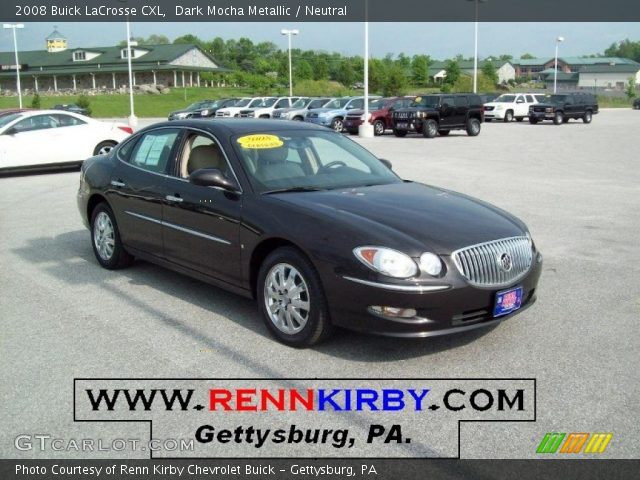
pixel 103 148
pixel 353 132
pixel 378 128
pixel 587 117
pixel 519 119
pixel 473 127
pixel 400 133
pixel 429 128
pixel 298 119
pixel 533 121
pixel 318 325
pixel 444 133
pixel 337 124
pixel 508 116
pixel 488 120
pixel 119 257
pixel 558 118
pixel 565 120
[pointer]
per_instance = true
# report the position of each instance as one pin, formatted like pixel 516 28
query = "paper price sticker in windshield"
pixel 418 99
pixel 260 141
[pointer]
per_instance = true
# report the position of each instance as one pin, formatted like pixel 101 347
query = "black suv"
pixel 562 107
pixel 636 104
pixel 439 114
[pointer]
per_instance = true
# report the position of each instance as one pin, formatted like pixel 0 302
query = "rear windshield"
pixel 7 119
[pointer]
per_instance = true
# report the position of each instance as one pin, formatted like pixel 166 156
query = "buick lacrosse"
pixel 309 223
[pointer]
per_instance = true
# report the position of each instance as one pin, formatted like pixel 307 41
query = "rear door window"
pixel 153 150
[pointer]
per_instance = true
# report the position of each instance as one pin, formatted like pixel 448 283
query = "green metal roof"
pixel 531 62
pixel 618 68
pixel 37 60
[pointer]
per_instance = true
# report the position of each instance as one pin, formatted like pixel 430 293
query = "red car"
pixel 8 111
pixel 379 114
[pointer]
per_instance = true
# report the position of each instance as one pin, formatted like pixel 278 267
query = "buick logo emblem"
pixel 505 262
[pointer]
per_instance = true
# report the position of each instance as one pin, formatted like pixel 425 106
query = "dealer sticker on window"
pixel 258 141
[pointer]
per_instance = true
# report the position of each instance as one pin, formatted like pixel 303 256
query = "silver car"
pixel 298 110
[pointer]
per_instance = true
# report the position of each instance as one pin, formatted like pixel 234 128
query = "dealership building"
pixel 61 68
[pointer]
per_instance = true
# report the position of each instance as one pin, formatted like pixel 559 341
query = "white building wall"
pixel 606 80
pixel 194 58
pixel 506 72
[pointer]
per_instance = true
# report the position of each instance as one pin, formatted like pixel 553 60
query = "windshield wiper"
pixel 294 189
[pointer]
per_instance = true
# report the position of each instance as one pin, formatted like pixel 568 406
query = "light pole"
pixel 475 54
pixel 559 40
pixel 288 33
pixel 365 130
pixel 14 26
pixel 133 120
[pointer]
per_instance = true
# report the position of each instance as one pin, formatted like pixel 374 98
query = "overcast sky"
pixel 439 40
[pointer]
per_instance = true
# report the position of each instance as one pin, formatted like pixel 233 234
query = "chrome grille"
pixel 401 115
pixel 484 264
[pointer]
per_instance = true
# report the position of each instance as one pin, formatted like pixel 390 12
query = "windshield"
pixel 427 101
pixel 505 99
pixel 7 119
pixel 194 106
pixel 377 104
pixel 267 102
pixel 256 102
pixel 242 102
pixel 555 98
pixel 307 159
pixel 337 103
pixel 301 103
pixel 318 103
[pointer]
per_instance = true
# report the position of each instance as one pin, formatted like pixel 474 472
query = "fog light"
pixel 393 312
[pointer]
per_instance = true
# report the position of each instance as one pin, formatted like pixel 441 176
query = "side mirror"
pixel 386 163
pixel 212 177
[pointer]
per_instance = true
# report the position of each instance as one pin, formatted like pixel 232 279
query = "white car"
pixel 268 106
pixel 53 138
pixel 509 106
pixel 242 104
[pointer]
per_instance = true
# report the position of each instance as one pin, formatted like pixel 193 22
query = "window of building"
pixel 124 53
pixel 79 56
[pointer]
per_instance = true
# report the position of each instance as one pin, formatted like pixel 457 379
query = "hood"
pixel 412 217
pixel 326 110
pixel 361 112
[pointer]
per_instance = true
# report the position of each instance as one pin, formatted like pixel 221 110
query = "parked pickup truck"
pixel 562 107
pixel 510 106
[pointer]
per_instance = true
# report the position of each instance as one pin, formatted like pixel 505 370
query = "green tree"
pixel 624 49
pixel 396 81
pixel 420 69
pixel 377 75
pixel 35 101
pixel 321 68
pixel 345 74
pixel 490 72
pixel 526 56
pixel 189 39
pixel 303 70
pixel 452 71
pixel 631 88
pixel 83 102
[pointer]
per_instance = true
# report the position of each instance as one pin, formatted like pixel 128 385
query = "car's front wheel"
pixel 291 298
pixel 105 239
pixel 587 117
pixel 508 117
pixel 337 124
pixel 558 118
pixel 430 128
pixel 104 147
pixel 378 128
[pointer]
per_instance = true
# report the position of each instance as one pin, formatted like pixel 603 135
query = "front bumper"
pixel 352 124
pixel 408 124
pixel 459 308
pixel 494 114
pixel 542 115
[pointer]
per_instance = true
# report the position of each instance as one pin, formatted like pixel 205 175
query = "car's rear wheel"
pixel 291 298
pixel 473 127
pixel 558 118
pixel 105 239
pixel 429 128
pixel 378 128
pixel 337 124
pixel 588 116
pixel 399 133
pixel 104 147
pixel 533 121
pixel 508 117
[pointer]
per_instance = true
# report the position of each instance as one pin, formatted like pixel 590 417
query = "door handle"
pixel 173 198
pixel 118 183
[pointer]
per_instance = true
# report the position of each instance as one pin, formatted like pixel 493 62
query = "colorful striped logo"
pixel 574 442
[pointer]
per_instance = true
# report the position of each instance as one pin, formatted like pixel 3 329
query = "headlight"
pixel 430 263
pixel 499 107
pixel 548 110
pixel 387 261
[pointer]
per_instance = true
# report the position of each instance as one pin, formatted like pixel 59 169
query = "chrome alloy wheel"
pixel 286 298
pixel 105 149
pixel 104 236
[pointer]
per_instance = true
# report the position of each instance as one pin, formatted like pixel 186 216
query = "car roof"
pixel 231 126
